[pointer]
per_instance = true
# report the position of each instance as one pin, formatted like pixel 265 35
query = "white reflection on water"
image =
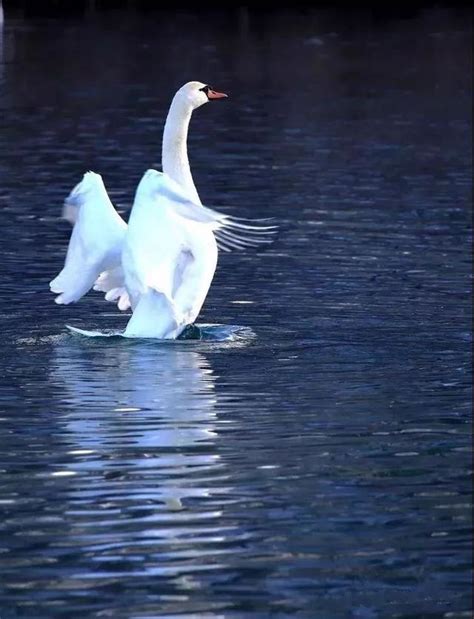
pixel 142 412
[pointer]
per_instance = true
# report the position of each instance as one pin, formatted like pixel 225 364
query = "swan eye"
pixel 212 94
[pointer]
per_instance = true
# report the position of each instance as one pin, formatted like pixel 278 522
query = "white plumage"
pixel 161 265
pixel 96 240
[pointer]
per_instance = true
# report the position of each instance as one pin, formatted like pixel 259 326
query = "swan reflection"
pixel 138 412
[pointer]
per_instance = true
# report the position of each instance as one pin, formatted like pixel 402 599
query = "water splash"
pixel 193 333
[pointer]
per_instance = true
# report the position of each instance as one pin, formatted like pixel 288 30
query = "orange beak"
pixel 212 94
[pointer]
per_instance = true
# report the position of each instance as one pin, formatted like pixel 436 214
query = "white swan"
pixel 161 264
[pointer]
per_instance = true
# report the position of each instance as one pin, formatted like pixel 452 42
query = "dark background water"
pixel 320 469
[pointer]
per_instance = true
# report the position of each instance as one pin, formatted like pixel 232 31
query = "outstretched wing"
pixel 96 240
pixel 230 232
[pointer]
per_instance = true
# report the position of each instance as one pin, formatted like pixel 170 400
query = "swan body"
pixel 168 260
pixel 162 263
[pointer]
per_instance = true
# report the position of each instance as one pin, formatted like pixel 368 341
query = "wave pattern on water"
pixel 315 463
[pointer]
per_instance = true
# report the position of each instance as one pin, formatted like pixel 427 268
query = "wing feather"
pixel 112 282
pixel 230 232
pixel 96 240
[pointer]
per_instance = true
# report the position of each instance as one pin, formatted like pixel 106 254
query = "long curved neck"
pixel 174 156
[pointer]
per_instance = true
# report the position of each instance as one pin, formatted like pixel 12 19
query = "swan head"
pixel 197 93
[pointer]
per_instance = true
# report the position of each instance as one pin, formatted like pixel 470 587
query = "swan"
pixel 161 264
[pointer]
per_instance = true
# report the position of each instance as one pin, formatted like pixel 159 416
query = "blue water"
pixel 309 454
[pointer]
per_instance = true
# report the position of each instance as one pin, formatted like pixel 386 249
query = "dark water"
pixel 317 464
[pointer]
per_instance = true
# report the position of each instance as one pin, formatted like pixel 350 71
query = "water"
pixel 316 462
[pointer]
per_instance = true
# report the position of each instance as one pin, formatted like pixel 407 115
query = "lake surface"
pixel 317 464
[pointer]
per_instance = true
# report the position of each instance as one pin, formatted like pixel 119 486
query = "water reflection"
pixel 324 471
pixel 149 408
